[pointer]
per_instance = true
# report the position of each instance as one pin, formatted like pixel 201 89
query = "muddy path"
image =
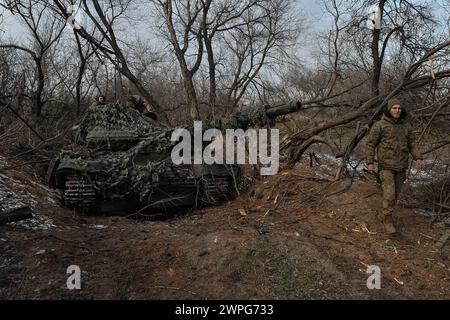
pixel 296 235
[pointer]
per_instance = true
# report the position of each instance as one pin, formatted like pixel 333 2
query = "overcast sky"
pixel 312 10
pixel 11 26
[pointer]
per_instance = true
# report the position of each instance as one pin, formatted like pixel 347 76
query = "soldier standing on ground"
pixel 394 140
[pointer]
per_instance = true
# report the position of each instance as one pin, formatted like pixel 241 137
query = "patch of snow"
pixel 433 169
pixel 13 195
pixel 51 201
pixel 37 223
pixel 9 200
pixel 40 252
pixel 427 176
pixel 97 226
pixel 360 165
pixel 424 212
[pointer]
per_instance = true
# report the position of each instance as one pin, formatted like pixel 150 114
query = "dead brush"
pixel 23 147
pixel 435 197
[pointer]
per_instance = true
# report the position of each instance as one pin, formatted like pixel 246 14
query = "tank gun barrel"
pixel 257 117
pixel 284 109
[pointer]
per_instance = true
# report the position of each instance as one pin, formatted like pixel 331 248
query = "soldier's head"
pixel 394 108
pixel 101 99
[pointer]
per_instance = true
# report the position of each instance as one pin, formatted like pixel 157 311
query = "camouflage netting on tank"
pixel 144 179
pixel 155 144
pixel 117 174
pixel 133 170
pixel 111 172
pixel 116 121
pixel 258 117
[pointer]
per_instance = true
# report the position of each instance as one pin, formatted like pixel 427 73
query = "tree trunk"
pixel 376 63
pixel 377 60
pixel 212 73
pixel 78 88
pixel 40 88
pixel 191 97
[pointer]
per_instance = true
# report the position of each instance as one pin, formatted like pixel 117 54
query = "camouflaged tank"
pixel 121 161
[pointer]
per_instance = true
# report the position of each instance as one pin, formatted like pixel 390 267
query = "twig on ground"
pixel 177 289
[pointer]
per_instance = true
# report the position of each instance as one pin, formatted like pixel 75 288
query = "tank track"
pixel 79 193
pixel 216 189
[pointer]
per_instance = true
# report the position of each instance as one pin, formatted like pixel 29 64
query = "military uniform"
pixel 394 140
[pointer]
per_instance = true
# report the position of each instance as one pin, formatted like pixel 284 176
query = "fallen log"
pixel 17 214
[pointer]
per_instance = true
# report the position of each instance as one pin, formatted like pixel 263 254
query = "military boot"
pixel 388 224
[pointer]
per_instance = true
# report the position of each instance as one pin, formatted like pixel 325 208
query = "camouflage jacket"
pixel 395 141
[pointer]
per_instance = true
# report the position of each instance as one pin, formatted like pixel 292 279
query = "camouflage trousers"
pixel 391 183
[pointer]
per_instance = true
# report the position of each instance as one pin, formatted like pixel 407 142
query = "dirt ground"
pixel 297 235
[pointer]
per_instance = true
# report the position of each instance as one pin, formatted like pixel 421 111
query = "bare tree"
pixel 104 16
pixel 85 53
pixel 405 28
pixel 45 31
pixel 217 19
pixel 185 14
pixel 259 44
pixel 237 37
